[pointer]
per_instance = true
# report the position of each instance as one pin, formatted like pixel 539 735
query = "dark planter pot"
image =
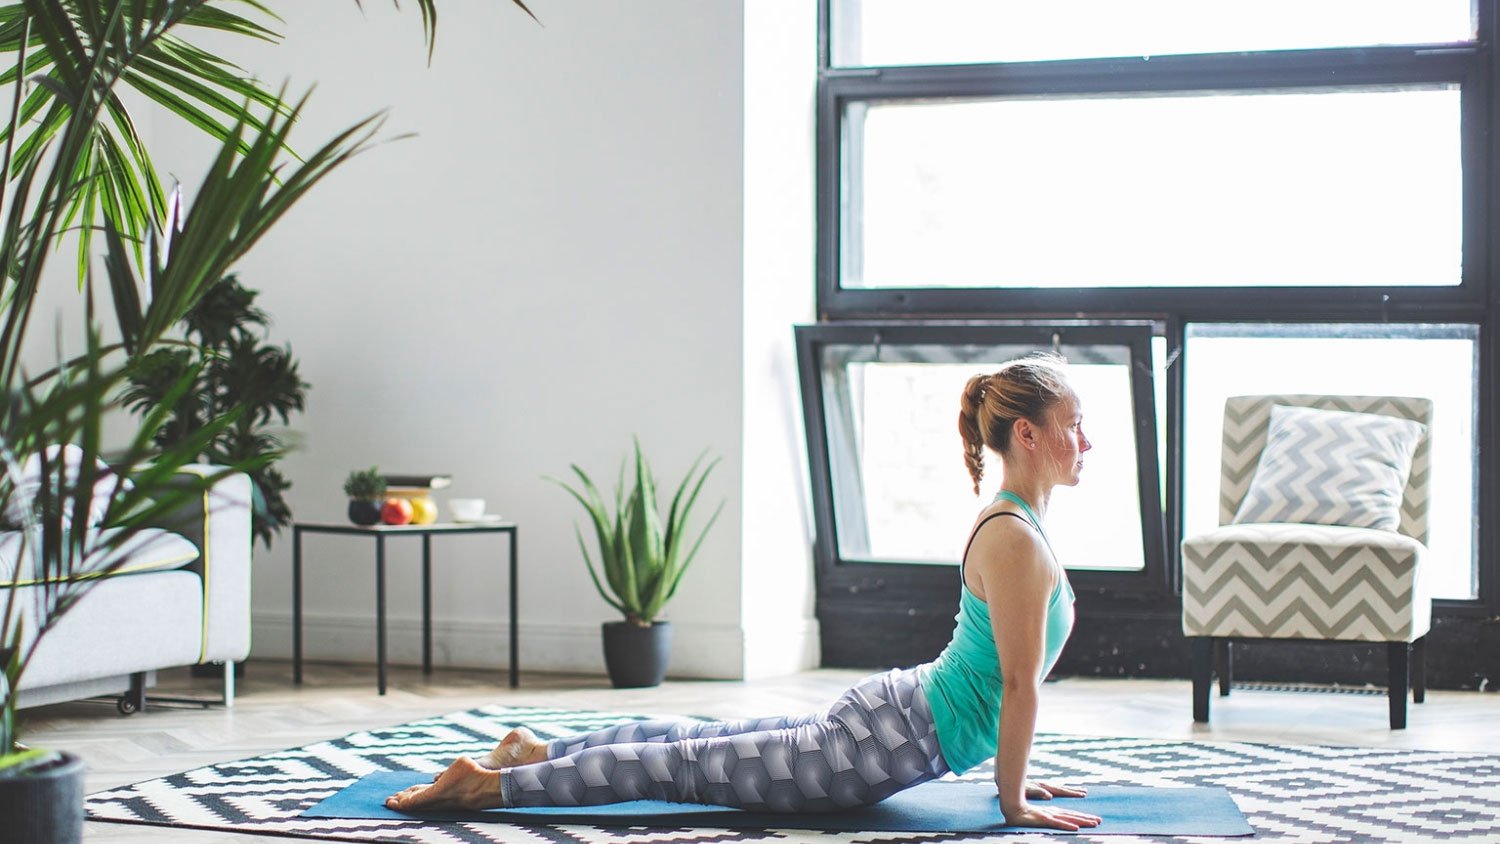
pixel 637 657
pixel 44 806
pixel 363 511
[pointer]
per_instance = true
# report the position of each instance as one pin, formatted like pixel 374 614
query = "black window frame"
pixel 838 575
pixel 1474 300
pixel 839 88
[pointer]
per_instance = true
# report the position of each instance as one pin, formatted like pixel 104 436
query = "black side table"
pixel 380 532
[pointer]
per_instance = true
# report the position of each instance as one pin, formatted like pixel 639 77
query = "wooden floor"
pixel 272 714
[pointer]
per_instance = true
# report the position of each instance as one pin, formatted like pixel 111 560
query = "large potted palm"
pixel 74 168
pixel 642 557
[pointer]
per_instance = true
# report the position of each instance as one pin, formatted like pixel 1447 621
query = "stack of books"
pixel 410 486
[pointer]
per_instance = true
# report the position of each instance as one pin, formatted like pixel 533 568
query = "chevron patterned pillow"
pixel 1332 467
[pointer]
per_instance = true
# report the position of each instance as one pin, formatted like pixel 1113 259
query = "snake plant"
pixel 641 555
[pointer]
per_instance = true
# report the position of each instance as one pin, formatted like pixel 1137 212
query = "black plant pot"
pixel 363 511
pixel 45 805
pixel 637 657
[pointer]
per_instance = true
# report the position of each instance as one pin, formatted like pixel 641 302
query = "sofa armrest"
pixel 218 524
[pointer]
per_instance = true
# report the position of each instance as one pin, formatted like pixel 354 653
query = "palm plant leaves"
pixel 79 41
pixel 73 160
pixel 139 43
pixel 239 200
pixel 429 19
pixel 642 559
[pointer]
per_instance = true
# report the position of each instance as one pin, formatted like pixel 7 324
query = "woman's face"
pixel 1068 442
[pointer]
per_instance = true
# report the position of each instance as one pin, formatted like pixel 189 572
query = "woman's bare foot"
pixel 520 747
pixel 464 785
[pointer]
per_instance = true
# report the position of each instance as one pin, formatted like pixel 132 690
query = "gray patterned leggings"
pixel 874 741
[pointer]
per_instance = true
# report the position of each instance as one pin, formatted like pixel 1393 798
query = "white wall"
pixel 558 261
pixel 780 91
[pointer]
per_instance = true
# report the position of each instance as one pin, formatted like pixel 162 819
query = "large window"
pixel 1211 189
pixel 901 490
pixel 883 432
pixel 1290 196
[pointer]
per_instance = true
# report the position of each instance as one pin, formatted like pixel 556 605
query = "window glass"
pixel 901 490
pixel 1437 362
pixel 899 32
pixel 1293 188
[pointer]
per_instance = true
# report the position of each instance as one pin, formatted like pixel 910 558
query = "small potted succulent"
pixel 366 491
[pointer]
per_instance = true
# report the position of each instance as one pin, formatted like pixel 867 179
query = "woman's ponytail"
pixel 969 428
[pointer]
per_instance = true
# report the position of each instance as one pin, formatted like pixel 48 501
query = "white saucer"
pixel 486 519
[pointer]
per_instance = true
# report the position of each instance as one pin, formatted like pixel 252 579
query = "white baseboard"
pixel 699 651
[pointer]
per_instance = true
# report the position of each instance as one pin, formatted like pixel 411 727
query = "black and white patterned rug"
pixel 1308 795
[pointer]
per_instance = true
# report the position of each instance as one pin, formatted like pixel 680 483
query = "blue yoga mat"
pixel 930 807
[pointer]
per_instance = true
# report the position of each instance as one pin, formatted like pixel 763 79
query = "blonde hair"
pixel 1025 388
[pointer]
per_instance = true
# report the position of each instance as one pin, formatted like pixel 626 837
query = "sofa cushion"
pixel 122 625
pixel 150 549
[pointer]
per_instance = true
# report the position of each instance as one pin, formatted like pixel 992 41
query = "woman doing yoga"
pixel 891 731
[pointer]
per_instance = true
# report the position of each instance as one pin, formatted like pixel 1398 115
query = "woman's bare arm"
pixel 1018 579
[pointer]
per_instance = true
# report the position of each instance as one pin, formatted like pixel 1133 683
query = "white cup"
pixel 466 509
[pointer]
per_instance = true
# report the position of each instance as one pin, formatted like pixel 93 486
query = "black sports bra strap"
pixel 986 521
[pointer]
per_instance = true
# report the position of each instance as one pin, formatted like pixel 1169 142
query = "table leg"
pixel 296 604
pixel 426 603
pixel 515 644
pixel 380 607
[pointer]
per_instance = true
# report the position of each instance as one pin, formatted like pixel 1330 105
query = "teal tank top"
pixel 963 685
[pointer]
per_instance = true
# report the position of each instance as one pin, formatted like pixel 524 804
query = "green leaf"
pixel 642 563
pixel 593 575
pixel 675 563
pixel 645 526
pixel 125 289
pixel 75 165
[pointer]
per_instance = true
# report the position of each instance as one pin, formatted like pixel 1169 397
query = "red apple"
pixel 397 511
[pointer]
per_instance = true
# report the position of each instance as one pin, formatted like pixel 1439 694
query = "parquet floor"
pixel 271 714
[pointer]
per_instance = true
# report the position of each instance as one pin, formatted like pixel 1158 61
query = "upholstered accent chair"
pixel 1278 574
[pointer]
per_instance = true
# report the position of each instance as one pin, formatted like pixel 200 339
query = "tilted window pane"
pixel 900 32
pixel 901 490
pixel 1437 362
pixel 1325 188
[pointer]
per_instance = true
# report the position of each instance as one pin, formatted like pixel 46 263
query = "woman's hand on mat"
pixel 1036 790
pixel 464 785
pixel 1049 818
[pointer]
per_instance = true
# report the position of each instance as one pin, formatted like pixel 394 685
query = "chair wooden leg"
pixel 1224 664
pixel 1397 667
pixel 1203 666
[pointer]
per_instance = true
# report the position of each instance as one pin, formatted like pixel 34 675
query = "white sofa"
pixel 181 598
